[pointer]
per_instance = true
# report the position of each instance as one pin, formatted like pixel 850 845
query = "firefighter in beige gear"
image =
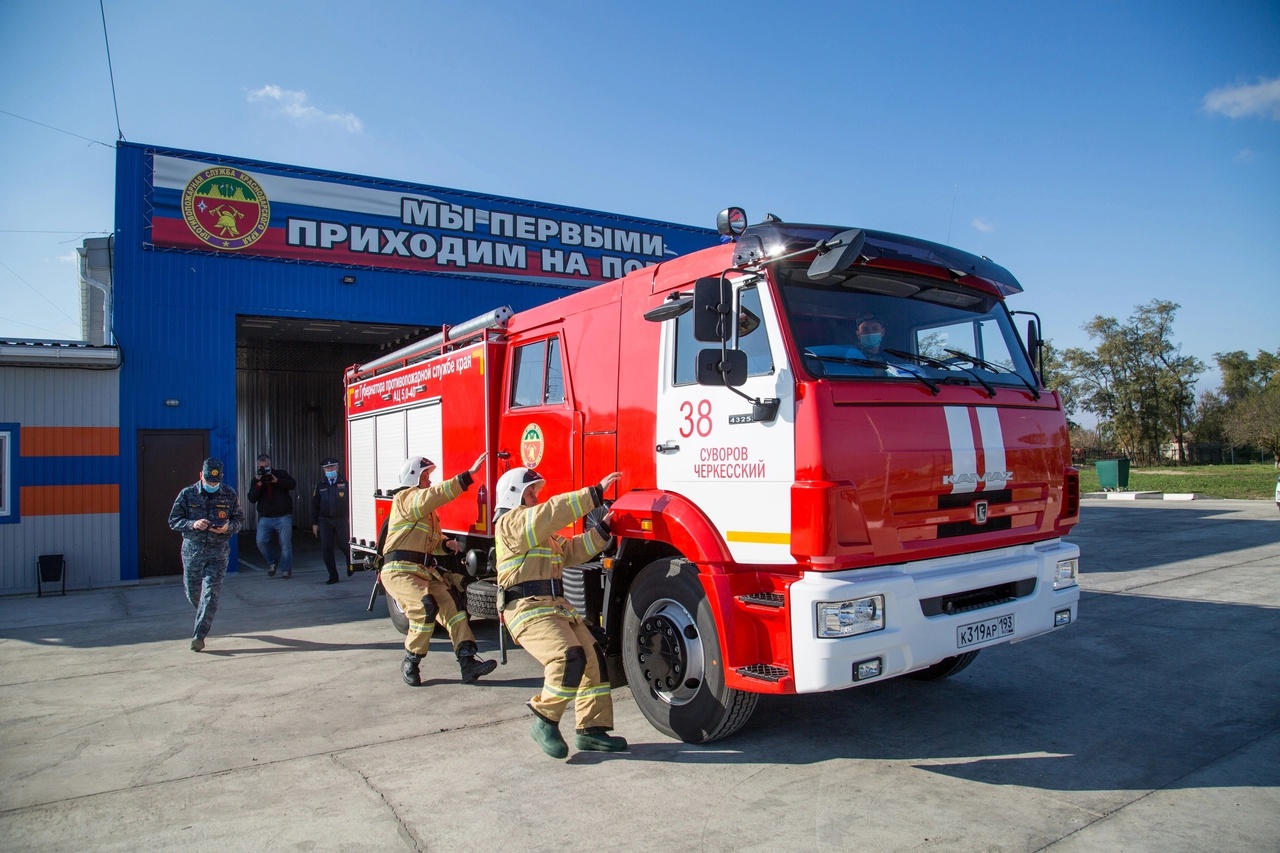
pixel 531 559
pixel 410 575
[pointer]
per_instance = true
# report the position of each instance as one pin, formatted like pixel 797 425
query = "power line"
pixel 38 293
pixel 60 130
pixel 110 71
pixel 29 325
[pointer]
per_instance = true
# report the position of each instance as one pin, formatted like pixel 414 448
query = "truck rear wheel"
pixel 944 668
pixel 482 600
pixel 671 654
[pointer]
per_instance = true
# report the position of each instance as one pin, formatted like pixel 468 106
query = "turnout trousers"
pixel 408 589
pixel 552 632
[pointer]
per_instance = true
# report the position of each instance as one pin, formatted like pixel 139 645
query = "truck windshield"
pixel 885 325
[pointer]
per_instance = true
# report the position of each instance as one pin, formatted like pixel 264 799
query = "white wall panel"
pixel 426 436
pixel 363 480
pixel 59 397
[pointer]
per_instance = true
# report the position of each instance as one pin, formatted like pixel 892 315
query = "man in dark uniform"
pixel 207 514
pixel 329 504
pixel 270 491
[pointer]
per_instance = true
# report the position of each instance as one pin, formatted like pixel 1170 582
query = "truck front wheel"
pixel 671 654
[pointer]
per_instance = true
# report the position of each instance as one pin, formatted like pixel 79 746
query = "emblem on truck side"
pixel 531 445
pixel 980 512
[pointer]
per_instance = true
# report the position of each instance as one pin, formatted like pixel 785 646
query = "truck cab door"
pixel 738 470
pixel 539 429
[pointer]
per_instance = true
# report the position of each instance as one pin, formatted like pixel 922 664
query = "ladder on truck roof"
pixel 449 336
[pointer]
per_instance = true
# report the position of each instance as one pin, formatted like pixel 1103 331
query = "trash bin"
pixel 50 568
pixel 1113 474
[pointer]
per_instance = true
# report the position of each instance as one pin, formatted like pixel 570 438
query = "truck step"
pixel 764 599
pixel 764 672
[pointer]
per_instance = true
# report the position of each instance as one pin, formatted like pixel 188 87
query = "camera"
pixel 264 472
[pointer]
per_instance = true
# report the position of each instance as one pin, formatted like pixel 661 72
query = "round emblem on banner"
pixel 531 445
pixel 226 208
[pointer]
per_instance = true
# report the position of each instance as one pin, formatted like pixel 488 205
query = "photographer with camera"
pixel 270 491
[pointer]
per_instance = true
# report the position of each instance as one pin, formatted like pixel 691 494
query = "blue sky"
pixel 1107 153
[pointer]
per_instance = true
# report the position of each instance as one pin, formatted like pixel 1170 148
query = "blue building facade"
pixel 207 248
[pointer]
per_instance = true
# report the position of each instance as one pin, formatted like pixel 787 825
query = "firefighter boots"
pixel 409 669
pixel 599 740
pixel 473 667
pixel 546 734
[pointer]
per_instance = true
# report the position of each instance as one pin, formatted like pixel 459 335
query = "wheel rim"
pixel 669 652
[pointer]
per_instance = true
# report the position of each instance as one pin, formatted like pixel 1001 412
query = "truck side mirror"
pixel 711 304
pixel 840 253
pixel 717 367
pixel 1035 348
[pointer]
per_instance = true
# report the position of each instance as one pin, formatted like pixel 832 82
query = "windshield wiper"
pixel 995 368
pixel 941 365
pixel 866 362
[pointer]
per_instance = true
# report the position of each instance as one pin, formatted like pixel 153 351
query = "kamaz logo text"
pixel 973 477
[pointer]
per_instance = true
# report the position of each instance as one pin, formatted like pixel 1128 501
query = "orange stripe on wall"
pixel 70 441
pixel 68 500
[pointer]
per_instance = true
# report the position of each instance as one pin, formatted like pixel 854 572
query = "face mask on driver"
pixel 332 475
pixel 872 340
pixel 208 488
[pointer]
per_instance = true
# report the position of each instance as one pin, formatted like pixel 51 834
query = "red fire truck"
pixel 796 513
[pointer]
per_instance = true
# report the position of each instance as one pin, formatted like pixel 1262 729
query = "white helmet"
pixel 511 487
pixel 412 469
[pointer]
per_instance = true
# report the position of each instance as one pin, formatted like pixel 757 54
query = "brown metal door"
pixel 168 462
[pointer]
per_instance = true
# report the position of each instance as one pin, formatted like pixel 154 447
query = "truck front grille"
pixel 977 599
pixel 994 499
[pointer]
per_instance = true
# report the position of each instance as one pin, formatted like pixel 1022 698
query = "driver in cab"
pixel 870 337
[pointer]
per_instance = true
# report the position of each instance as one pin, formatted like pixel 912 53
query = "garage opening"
pixel 289 394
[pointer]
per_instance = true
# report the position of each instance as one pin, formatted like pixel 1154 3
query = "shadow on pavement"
pixel 1135 540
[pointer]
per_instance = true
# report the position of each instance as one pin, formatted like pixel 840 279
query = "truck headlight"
pixel 1064 577
pixel 848 618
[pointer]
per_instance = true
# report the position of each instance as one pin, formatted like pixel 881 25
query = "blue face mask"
pixel 872 340
pixel 332 475
pixel 208 488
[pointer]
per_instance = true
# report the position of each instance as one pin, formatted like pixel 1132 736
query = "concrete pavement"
pixel 1152 724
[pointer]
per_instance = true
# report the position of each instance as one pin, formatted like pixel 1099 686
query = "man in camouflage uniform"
pixel 207 514
pixel 410 575
pixel 531 560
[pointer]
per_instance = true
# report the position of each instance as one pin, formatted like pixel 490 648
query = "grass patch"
pixel 1232 482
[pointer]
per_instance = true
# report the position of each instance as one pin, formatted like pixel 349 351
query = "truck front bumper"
pixel 911 638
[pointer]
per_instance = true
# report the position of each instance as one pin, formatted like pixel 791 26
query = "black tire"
pixel 671 654
pixel 482 600
pixel 398 617
pixel 944 668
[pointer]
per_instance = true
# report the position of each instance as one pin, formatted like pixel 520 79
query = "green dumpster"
pixel 1113 474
